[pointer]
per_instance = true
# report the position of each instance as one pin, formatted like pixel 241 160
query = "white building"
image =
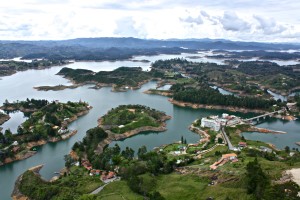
pixel 212 123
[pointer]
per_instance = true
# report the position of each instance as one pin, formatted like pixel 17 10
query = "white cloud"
pixel 197 20
pixel 269 26
pixel 252 20
pixel 127 27
pixel 231 22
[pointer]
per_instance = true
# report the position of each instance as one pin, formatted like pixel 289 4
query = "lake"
pixel 20 86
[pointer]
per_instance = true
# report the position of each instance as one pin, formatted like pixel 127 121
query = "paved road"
pixel 230 146
pixel 99 189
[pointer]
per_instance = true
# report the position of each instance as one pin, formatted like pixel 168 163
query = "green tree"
pixel 68 161
pixel 141 152
pixel 257 181
pixel 287 149
pixel 285 191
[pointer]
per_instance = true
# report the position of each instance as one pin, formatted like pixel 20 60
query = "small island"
pixel 56 87
pixel 120 79
pixel 47 122
pixel 128 120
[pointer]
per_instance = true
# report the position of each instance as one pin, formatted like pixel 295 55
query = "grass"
pixel 175 186
pixel 173 147
pixel 143 121
pixel 185 81
pixel 67 187
pixel 116 190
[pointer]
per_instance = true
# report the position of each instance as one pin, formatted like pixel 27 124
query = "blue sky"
pixel 244 20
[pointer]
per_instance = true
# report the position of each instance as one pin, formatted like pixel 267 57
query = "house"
pixel 131 110
pixel 292 106
pixel 230 156
pixel 121 126
pixel 15 143
pixel 86 164
pixel 63 130
pixel 95 172
pixel 111 175
pixel 242 144
pixel 265 149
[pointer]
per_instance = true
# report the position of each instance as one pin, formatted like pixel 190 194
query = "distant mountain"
pixel 108 42
pixel 110 48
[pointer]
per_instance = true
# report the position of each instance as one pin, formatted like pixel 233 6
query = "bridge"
pixel 269 114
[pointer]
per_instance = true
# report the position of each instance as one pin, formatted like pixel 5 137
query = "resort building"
pixel 211 122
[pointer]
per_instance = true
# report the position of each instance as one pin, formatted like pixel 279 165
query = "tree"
pixel 68 161
pixel 285 191
pixel 128 153
pixel 243 138
pixel 141 152
pixel 181 139
pixel 8 135
pixel 287 149
pixel 220 140
pixel 256 179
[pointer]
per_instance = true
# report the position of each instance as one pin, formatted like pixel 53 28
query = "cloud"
pixel 126 27
pixel 195 20
pixel 252 20
pixel 269 26
pixel 231 22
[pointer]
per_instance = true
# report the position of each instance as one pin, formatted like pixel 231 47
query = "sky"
pixel 240 20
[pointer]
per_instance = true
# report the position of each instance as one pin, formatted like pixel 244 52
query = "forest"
pixel 123 76
pixel 209 96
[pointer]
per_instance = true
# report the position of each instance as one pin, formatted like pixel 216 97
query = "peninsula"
pixel 47 122
pixel 10 67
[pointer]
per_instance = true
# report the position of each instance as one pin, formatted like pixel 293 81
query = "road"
pixel 99 189
pixel 230 146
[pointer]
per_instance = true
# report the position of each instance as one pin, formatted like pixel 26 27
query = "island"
pixel 10 67
pixel 128 120
pixel 56 87
pixel 120 79
pixel 47 122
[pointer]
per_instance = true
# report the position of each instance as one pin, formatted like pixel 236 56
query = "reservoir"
pixel 20 86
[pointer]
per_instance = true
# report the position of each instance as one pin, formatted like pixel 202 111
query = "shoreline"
pixel 4 118
pixel 116 137
pixel 16 193
pixel 12 72
pixel 263 130
pixel 218 107
pixel 28 153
